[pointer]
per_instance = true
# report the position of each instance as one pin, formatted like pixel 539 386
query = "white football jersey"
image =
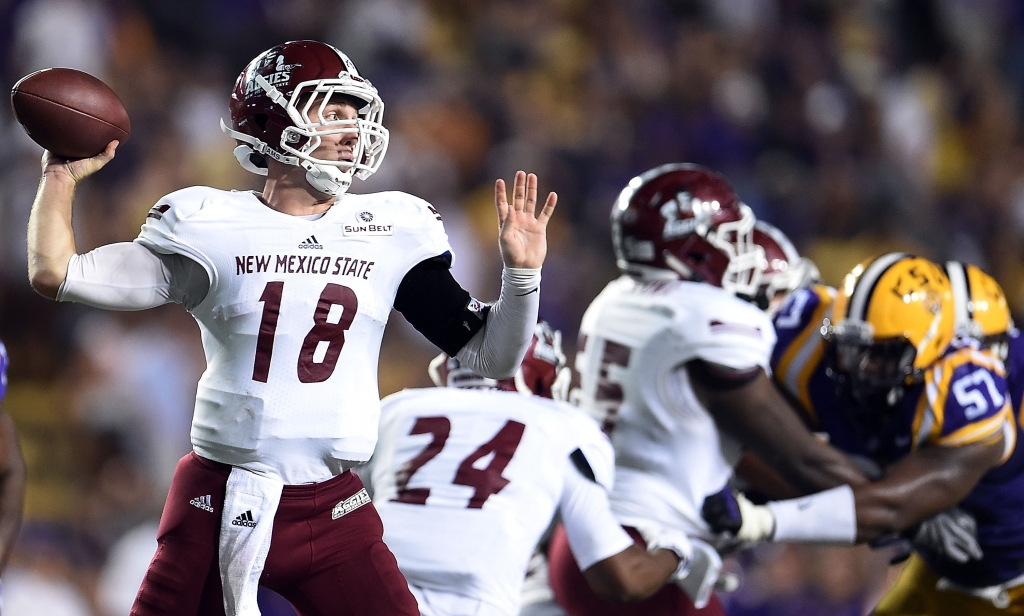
pixel 635 338
pixel 293 320
pixel 467 481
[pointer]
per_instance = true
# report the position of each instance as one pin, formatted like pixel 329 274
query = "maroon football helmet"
pixel 277 111
pixel 544 371
pixel 783 271
pixel 684 221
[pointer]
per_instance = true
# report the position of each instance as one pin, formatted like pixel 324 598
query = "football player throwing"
pixel 292 288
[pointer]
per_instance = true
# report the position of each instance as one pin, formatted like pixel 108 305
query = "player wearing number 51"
pixel 292 287
pixel 876 367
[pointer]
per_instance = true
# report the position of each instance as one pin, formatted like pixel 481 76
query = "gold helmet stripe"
pixel 865 287
pixel 962 305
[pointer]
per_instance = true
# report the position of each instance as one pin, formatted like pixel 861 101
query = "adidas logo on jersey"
pixel 244 519
pixel 310 242
pixel 203 502
pixel 350 504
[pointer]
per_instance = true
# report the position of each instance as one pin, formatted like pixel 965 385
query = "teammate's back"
pixel 669 452
pixel 484 471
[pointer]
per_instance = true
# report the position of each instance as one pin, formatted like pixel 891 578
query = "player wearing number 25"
pixel 875 365
pixel 292 288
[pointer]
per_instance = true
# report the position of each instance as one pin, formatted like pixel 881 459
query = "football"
pixel 70 113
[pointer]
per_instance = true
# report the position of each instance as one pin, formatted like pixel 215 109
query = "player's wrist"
pixel 825 517
pixel 521 278
pixel 58 173
pixel 672 541
pixel 758 521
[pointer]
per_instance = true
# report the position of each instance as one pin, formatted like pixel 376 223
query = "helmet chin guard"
pixel 278 112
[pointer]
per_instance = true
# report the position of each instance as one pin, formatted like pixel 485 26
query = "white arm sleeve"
pixel 593 532
pixel 129 276
pixel 825 517
pixel 498 348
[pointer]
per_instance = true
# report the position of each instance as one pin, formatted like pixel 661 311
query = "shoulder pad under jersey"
pixel 723 329
pixel 162 231
pixel 799 320
pixel 415 222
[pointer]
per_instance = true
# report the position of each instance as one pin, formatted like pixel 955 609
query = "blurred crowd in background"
pixel 854 126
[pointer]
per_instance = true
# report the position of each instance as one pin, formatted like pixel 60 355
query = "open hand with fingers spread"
pixel 522 233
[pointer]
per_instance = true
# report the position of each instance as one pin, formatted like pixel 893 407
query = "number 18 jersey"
pixel 293 320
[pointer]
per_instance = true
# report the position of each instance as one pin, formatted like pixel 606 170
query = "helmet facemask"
pixel 296 111
pixel 872 374
pixel 736 239
pixel 306 109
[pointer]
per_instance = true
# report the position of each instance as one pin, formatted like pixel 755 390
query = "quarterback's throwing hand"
pixel 77 169
pixel 522 234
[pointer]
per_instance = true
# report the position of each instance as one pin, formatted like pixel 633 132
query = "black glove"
pixel 722 512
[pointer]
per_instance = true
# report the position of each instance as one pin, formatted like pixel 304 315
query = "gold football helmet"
pixel 893 317
pixel 981 309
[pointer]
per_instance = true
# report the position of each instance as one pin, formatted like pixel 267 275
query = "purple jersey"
pixel 3 370
pixel 963 399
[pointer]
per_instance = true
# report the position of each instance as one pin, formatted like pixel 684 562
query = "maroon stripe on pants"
pixel 577 598
pixel 324 567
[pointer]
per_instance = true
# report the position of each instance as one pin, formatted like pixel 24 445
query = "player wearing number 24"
pixel 468 476
pixel 291 288
pixel 878 366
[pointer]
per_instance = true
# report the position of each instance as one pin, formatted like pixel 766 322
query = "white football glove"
pixel 658 538
pixel 700 566
pixel 703 575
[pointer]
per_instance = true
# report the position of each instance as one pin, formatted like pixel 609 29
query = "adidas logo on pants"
pixel 244 519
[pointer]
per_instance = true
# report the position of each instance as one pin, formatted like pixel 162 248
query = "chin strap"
pixel 328 180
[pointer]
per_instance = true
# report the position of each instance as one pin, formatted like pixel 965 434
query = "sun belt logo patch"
pixel 366 223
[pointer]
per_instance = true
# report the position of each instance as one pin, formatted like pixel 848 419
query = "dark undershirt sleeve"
pixel 718 377
pixel 438 307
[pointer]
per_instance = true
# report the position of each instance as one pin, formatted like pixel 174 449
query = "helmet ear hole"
pixel 258 160
pixel 261 120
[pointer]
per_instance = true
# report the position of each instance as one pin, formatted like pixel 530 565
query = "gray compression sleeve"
pixel 498 348
pixel 129 276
